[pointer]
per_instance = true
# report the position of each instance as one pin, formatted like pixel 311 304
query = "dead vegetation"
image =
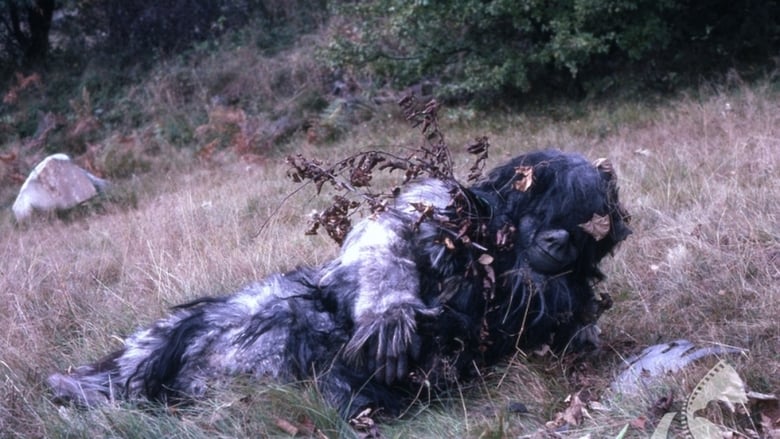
pixel 351 177
pixel 698 173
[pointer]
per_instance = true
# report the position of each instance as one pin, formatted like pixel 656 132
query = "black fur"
pixel 405 301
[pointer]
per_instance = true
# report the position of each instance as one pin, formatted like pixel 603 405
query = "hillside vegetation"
pixel 698 173
pixel 195 143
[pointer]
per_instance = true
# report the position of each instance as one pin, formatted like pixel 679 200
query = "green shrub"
pixel 489 48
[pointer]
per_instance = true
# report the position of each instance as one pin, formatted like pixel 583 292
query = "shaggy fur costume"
pixel 407 300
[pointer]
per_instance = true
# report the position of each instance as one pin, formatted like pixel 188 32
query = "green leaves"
pixel 479 49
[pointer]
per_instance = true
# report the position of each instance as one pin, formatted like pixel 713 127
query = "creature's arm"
pixel 386 301
pixel 380 279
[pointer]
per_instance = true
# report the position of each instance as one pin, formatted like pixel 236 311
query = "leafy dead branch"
pixel 351 178
pixel 462 226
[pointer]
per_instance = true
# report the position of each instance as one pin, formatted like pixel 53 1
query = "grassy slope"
pixel 699 175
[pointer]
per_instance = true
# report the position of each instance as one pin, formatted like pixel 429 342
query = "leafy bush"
pixel 484 49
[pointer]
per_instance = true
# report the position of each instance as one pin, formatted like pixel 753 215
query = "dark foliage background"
pixel 488 49
pixel 133 30
pixel 473 48
pixel 70 68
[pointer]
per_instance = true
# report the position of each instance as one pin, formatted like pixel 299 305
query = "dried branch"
pixel 351 177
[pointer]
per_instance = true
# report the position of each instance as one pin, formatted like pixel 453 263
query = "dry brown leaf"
pixel 365 425
pixel 448 243
pixel 222 115
pixel 28 81
pixel 308 429
pixel 8 157
pixel 543 350
pixel 639 423
pixel 23 82
pixel 663 405
pixel 598 226
pixel 574 413
pixel 485 259
pixel 571 416
pixel 489 280
pixel 604 165
pixel 768 406
pixel 479 146
pixel 206 152
pixel 505 237
pixel 83 126
pixel 286 426
pixel 770 427
pixel 525 178
pixel 11 97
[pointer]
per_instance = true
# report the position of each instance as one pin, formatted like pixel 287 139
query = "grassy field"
pixel 699 174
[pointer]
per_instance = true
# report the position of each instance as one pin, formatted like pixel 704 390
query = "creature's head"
pixel 563 210
pixel 558 215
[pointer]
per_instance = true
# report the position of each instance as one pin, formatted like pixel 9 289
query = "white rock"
pixel 56 183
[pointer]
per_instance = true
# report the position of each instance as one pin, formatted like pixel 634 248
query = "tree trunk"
pixel 39 18
pixel 33 41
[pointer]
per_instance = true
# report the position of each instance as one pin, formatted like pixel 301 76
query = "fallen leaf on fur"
pixel 543 350
pixel 525 178
pixel 490 280
pixel 485 259
pixel 604 165
pixel 505 237
pixel 424 208
pixel 448 243
pixel 598 226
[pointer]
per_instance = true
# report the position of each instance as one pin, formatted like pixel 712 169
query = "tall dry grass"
pixel 699 174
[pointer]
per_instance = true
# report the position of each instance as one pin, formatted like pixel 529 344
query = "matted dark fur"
pixel 406 300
